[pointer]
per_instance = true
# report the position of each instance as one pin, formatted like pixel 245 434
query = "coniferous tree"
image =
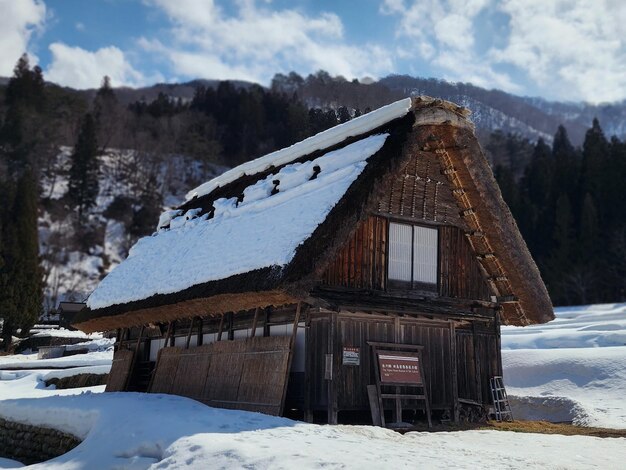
pixel 27 269
pixel 20 273
pixel 595 157
pixel 83 178
pixel 106 114
pixel 565 166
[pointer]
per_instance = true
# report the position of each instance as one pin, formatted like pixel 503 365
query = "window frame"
pixel 423 288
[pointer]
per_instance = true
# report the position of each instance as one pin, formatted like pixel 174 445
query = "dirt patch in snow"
pixel 544 427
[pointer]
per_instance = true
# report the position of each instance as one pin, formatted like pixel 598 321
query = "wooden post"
pixel 292 346
pixel 498 343
pixel 308 349
pixel 167 334
pixel 173 337
pixel 296 320
pixel 199 339
pixel 139 341
pixel 134 360
pixel 221 328
pixel 254 322
pixel 378 387
pixel 231 326
pixel 118 338
pixel 188 340
pixel 397 333
pixel 478 378
pixel 332 387
pixel 454 373
pixel 266 323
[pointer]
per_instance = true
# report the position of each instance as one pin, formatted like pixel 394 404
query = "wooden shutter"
pixel 400 252
pixel 425 255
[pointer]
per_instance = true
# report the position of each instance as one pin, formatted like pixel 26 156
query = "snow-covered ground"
pixel 575 364
pixel 571 369
pixel 128 430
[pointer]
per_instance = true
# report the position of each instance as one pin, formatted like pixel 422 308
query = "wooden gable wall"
pixel 419 194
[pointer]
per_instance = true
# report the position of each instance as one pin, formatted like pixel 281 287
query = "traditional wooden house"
pixel 282 285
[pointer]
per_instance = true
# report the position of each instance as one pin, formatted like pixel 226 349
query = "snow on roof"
pixel 325 139
pixel 241 236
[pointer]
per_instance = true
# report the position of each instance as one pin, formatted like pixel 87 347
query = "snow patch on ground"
pixel 128 430
pixel 80 360
pixel 570 369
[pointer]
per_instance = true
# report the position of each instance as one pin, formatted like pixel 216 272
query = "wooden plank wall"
pixel 355 330
pixel 477 361
pixel 352 381
pixel 437 359
pixel 361 263
pixel 420 192
pixel 247 374
pixel 120 370
pixel 459 272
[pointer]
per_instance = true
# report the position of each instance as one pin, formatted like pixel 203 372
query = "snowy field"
pixel 573 369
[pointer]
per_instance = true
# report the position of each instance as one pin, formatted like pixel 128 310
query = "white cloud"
pixel 79 68
pixel 567 49
pixel 256 42
pixel 572 49
pixel 18 21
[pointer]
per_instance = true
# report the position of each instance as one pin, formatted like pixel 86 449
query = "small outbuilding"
pixel 362 273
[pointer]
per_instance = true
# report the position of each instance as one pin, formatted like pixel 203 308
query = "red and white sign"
pixel 401 369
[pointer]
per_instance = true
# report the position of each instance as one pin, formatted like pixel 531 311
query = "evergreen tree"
pixel 566 166
pixel 28 271
pixel 20 274
pixel 595 158
pixel 20 148
pixel 83 178
pixel 589 229
pixel 19 135
pixel 106 114
pixel 26 87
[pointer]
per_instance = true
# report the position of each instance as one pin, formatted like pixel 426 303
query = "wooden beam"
pixel 200 338
pixel 188 340
pixel 266 322
pixel 308 361
pixel 134 360
pixel 332 387
pixel 478 378
pixel 167 334
pixel 254 322
pixel 292 347
pixel 454 373
pixel 221 328
pixel 231 326
pixel 173 337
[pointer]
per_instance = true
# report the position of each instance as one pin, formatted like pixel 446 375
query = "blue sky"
pixel 572 50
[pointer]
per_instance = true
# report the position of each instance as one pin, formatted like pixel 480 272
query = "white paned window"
pixel 425 255
pixel 400 239
pixel 412 254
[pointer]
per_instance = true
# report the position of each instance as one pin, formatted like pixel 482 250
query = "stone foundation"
pixel 33 444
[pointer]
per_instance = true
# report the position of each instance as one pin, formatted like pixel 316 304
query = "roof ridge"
pixel 322 140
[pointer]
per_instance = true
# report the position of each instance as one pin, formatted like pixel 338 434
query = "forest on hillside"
pixel 569 202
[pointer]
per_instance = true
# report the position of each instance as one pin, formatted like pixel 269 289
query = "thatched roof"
pixel 261 234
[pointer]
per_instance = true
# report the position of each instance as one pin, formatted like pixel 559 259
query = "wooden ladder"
pixel 500 399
